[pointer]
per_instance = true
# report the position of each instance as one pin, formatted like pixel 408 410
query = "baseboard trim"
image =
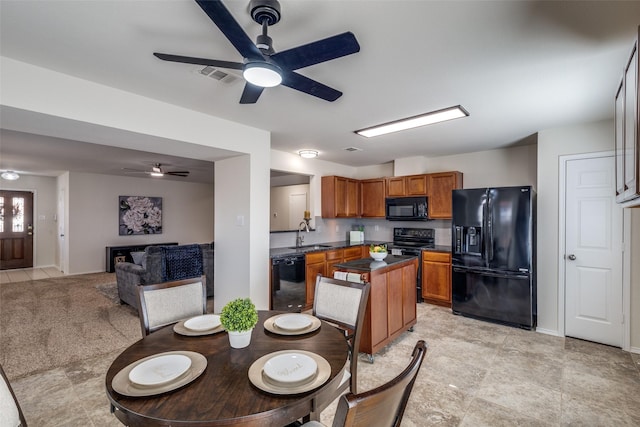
pixel 548 332
pixel 634 350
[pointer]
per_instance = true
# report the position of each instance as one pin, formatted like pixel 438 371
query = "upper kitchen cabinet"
pixel 626 132
pixel 340 197
pixel 440 187
pixel 372 193
pixel 409 185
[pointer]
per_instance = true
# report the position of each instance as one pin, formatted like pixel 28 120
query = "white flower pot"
pixel 239 339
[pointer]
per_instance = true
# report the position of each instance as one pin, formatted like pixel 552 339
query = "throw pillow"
pixel 138 257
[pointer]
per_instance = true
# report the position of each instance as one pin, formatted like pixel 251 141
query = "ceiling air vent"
pixel 220 75
pixel 352 149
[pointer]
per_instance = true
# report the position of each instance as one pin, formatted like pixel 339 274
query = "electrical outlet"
pixel 376 228
pixel 337 228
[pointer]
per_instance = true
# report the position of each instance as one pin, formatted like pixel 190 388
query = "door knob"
pixel 571 257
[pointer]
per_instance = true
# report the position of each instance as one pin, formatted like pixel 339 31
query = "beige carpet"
pixel 53 322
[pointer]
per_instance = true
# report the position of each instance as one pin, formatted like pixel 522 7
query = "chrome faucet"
pixel 299 238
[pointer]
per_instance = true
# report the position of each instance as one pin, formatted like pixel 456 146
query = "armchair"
pixel 160 264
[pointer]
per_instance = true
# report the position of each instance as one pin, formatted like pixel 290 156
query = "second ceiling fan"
pixel 262 66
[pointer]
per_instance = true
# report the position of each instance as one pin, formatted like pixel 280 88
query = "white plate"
pixel 290 368
pixel 293 322
pixel 160 370
pixel 203 323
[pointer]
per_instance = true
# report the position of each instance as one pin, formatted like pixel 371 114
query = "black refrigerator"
pixel 493 255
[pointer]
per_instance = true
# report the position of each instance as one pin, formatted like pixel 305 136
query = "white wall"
pixel 187 215
pixel 51 103
pixel 280 205
pixel 503 167
pixel 585 138
pixel 62 249
pixel 44 209
pixel 635 279
pixel 492 168
pixel 315 168
pixel 242 229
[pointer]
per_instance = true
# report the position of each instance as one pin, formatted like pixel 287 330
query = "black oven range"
pixel 411 241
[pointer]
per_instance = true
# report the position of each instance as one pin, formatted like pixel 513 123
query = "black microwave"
pixel 406 209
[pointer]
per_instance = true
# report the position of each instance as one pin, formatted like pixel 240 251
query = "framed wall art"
pixel 139 215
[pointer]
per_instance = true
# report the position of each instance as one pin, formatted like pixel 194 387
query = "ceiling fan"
pixel 262 66
pixel 158 171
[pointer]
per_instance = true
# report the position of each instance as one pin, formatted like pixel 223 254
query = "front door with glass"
pixel 16 229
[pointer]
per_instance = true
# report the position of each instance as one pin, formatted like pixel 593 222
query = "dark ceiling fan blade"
pixel 250 94
pixel 304 84
pixel 223 19
pixel 199 61
pixel 178 173
pixel 320 51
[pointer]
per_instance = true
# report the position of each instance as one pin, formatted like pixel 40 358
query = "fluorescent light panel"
pixel 415 121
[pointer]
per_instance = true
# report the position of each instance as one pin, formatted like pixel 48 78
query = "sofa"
pixel 158 264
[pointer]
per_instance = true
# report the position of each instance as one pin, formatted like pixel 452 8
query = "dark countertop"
pixel 439 248
pixel 368 264
pixel 316 247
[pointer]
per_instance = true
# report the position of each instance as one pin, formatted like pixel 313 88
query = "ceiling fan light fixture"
pixel 262 74
pixel 10 175
pixel 156 174
pixel 308 154
pixel 432 117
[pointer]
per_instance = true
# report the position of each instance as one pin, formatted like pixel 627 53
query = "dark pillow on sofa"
pixel 140 258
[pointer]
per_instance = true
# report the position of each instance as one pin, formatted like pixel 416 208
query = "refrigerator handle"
pixel 490 274
pixel 489 233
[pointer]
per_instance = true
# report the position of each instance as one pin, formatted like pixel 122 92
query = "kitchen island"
pixel 391 309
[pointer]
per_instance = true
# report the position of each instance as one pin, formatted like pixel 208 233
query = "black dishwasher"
pixel 288 283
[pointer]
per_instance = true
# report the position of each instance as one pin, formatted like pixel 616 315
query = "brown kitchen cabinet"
pixel 372 195
pixel 627 130
pixel 440 197
pixel 436 278
pixel 354 252
pixel 409 185
pixel 315 263
pixel 340 197
pixel 334 256
pixel 324 262
pixel 391 308
pixel 396 186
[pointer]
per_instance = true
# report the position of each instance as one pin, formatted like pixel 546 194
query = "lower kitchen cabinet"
pixel 391 308
pixel 324 263
pixel 436 278
pixel 315 263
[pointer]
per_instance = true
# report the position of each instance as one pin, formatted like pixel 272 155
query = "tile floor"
pixel 24 274
pixel 475 374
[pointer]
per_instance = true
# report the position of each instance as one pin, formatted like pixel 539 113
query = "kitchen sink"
pixel 310 247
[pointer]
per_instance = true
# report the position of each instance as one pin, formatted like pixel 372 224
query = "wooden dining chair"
pixel 343 304
pixel 164 303
pixel 382 406
pixel 10 412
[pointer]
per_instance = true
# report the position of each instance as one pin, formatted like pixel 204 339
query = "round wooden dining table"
pixel 223 395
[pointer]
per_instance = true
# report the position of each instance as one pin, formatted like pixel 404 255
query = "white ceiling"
pixel 518 67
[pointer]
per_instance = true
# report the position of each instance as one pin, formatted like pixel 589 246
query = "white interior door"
pixel 61 233
pixel 297 205
pixel 593 252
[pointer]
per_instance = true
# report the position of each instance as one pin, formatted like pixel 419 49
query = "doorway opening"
pixel 16 229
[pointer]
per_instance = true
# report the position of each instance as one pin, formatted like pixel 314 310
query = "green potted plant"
pixel 239 317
